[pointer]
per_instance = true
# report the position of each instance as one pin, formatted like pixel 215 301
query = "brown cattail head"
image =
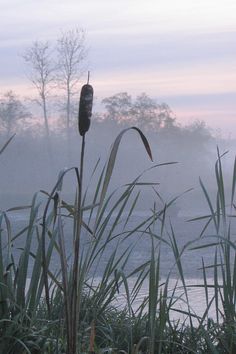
pixel 85 108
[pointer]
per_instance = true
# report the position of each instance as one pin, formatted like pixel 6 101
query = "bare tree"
pixel 39 58
pixel 12 112
pixel 72 52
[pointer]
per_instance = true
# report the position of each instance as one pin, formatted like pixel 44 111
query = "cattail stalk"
pixel 85 113
pixel 75 296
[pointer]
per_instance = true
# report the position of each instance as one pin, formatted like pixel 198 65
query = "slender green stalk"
pixel 44 232
pixel 75 296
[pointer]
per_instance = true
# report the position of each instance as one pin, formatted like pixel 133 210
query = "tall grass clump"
pixel 43 310
pixel 221 243
pixel 20 296
pixel 74 308
pixel 74 274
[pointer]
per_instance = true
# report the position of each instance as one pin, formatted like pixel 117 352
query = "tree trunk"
pixel 68 114
pixel 47 131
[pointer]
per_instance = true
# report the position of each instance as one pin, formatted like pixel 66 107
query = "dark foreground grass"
pixel 37 305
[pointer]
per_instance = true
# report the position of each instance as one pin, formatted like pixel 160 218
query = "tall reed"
pixel 73 276
pixel 70 309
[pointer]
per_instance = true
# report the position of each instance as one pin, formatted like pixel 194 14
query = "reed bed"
pixel 72 310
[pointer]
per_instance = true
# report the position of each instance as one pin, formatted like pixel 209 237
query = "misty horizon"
pixel 183 56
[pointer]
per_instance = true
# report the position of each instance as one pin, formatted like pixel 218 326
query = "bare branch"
pixel 42 69
pixel 72 52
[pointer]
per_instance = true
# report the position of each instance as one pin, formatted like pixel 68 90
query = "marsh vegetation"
pixel 36 300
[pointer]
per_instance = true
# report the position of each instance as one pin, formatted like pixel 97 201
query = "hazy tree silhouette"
pixel 71 55
pixel 12 113
pixel 144 112
pixel 150 115
pixel 118 107
pixel 42 70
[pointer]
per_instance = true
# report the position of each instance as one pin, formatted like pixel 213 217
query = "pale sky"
pixel 182 52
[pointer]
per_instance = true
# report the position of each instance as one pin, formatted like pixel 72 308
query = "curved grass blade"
pixel 112 159
pixel 6 144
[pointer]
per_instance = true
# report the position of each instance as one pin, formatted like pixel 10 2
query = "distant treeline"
pixel 119 110
pixel 34 159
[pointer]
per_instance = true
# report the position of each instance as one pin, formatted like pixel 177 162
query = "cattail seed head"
pixel 85 108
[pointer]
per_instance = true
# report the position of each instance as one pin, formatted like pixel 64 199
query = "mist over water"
pixel 28 167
